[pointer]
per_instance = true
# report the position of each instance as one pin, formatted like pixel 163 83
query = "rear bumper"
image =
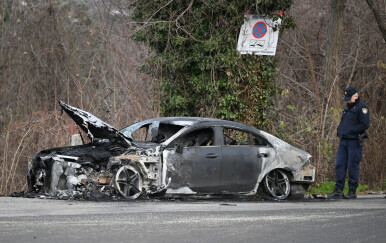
pixel 306 174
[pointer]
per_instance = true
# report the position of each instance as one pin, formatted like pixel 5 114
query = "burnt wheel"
pixel 277 184
pixel 128 182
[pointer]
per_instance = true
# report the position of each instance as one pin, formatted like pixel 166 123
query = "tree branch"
pixel 378 18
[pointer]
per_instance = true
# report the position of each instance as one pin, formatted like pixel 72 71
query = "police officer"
pixel 354 122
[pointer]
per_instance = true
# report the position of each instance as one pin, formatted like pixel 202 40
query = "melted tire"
pixel 297 191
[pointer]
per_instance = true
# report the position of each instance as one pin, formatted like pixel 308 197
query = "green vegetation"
pixel 328 187
pixel 200 73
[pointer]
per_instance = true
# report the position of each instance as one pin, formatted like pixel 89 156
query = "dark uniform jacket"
pixel 355 120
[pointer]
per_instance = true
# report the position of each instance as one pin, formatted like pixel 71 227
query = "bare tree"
pixel 334 42
pixel 378 18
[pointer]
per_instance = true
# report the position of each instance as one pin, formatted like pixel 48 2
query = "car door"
pixel 194 160
pixel 243 154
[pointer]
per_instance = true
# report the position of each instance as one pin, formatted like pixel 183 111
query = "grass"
pixel 328 187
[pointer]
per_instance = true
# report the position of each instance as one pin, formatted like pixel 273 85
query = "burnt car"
pixel 171 156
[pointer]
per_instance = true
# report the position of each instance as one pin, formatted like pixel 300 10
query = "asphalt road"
pixel 45 220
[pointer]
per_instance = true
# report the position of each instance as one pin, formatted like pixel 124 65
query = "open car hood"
pixel 93 126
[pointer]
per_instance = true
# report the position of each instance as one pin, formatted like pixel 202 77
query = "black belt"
pixel 349 138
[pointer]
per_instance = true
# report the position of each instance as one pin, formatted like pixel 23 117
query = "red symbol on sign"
pixel 259 30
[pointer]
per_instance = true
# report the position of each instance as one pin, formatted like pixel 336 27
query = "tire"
pixel 277 184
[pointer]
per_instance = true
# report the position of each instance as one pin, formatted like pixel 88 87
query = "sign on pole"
pixel 257 36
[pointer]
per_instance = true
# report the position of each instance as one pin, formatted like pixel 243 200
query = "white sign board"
pixel 257 36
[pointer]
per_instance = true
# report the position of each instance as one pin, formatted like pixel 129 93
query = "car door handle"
pixel 262 155
pixel 211 156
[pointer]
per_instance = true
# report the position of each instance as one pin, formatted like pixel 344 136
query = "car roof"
pixel 199 121
pixel 194 120
pixel 179 118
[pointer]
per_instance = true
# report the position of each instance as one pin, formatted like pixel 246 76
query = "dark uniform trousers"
pixel 348 158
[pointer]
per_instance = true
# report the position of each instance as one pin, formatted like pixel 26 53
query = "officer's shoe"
pixel 351 195
pixel 336 194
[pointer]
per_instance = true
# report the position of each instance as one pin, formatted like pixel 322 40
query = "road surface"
pixel 46 220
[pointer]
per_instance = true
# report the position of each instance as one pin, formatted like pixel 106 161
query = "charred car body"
pixel 175 155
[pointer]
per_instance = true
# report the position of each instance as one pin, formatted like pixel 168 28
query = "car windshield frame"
pixel 128 130
pixel 154 123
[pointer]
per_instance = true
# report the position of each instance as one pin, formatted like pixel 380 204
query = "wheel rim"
pixel 277 184
pixel 128 182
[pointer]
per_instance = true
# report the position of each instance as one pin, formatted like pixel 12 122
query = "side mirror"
pixel 178 149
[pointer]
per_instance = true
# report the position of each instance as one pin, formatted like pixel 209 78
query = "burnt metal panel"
pixel 240 168
pixel 198 168
pixel 93 126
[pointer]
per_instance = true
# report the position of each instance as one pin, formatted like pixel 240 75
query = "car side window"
pixel 165 131
pixel 241 138
pixel 197 138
